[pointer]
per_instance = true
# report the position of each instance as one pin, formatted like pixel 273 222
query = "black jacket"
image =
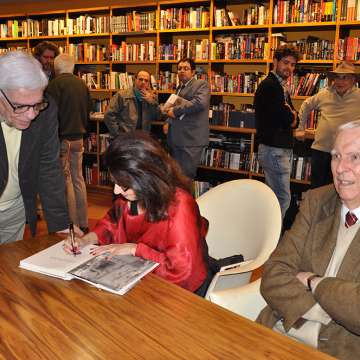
pixel 40 170
pixel 273 116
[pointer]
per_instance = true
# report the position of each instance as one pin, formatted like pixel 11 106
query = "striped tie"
pixel 350 219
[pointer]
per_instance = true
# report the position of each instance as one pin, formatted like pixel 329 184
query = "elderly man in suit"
pixel 188 132
pixel 29 149
pixel 312 281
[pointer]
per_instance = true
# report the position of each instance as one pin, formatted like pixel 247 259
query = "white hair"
pixel 20 70
pixel 64 63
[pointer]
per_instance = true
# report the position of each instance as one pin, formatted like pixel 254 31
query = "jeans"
pixel 71 155
pixel 277 168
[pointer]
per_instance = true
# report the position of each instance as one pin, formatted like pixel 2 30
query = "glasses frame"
pixel 20 109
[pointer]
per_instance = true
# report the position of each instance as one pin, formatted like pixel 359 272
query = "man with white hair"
pixel 29 149
pixel 312 280
pixel 74 104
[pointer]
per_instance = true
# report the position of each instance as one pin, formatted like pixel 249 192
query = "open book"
pixel 117 275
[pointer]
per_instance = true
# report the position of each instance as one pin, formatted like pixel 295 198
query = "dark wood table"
pixel 48 318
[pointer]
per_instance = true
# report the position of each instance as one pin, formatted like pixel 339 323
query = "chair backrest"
pixel 244 218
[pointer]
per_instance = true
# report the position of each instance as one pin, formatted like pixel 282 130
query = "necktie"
pixel 350 219
pixel 180 88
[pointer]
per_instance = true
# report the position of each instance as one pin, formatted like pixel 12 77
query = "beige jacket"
pixel 308 246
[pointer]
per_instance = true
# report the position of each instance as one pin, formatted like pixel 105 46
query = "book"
pixel 117 274
pixel 174 100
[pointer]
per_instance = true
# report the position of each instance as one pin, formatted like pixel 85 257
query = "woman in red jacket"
pixel 153 216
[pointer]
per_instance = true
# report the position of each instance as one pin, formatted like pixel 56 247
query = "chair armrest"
pixel 245 300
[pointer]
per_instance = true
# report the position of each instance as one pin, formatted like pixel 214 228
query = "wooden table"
pixel 47 318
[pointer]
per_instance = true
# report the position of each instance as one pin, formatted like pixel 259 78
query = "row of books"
pixel 94 176
pixel 169 81
pixel 100 105
pixel 226 114
pixel 86 24
pixel 183 18
pixel 314 48
pixel 239 46
pixel 313 119
pixel 300 167
pixel 89 52
pixel 308 84
pixel 200 187
pixel 93 144
pixel 95 80
pixel 349 49
pixel 133 21
pixel 256 14
pixel 44 27
pixel 300 11
pixel 195 48
pixel 236 83
pixel 350 10
pixel 145 51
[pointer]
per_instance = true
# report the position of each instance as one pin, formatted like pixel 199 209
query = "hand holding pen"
pixel 72 246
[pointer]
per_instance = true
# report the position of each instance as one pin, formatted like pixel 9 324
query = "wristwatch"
pixel 309 279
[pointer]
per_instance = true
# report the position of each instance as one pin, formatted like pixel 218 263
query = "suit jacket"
pixel 308 246
pixel 193 128
pixel 122 114
pixel 273 116
pixel 39 170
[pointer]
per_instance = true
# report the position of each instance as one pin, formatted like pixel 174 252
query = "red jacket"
pixel 177 243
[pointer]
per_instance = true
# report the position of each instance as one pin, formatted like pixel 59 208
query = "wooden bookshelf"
pixel 329 30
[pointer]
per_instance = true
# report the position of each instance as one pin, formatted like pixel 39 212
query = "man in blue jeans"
pixel 275 120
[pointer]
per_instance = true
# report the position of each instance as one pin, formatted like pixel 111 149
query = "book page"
pixel 54 261
pixel 117 274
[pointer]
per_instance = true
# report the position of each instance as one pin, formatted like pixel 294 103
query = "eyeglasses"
pixel 344 77
pixel 20 109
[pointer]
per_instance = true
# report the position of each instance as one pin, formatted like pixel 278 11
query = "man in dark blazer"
pixel 275 120
pixel 29 149
pixel 188 130
pixel 312 280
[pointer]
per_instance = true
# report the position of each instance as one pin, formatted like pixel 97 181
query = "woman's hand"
pixel 79 242
pixel 115 249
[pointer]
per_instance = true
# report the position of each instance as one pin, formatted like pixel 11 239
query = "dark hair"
pixel 45 45
pixel 188 60
pixel 137 161
pixel 286 50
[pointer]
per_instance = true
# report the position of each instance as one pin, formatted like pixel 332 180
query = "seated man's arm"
pixel 282 290
pixel 341 299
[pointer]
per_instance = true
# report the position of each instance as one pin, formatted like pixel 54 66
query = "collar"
pixel 188 82
pixel 344 210
pixel 281 80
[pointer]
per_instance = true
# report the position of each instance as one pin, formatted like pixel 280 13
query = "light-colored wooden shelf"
pixel 239 27
pixel 232 129
pixel 234 171
pixel 184 30
pixel 306 24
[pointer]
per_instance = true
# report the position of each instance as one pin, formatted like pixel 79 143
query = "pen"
pixel 72 238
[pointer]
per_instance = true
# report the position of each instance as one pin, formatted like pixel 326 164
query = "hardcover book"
pixel 117 274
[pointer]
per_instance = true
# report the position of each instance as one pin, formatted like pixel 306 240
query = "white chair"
pixel 245 300
pixel 244 218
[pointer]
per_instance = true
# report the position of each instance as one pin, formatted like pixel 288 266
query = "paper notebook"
pixel 117 274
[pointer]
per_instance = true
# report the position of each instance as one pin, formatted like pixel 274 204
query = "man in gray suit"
pixel 189 121
pixel 312 280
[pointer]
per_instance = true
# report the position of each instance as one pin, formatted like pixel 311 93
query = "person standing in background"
pixel 338 104
pixel 133 108
pixel 29 149
pixel 46 52
pixel 188 131
pixel 74 105
pixel 275 120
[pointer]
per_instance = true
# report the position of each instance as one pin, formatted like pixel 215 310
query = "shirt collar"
pixel 281 80
pixel 188 82
pixel 344 210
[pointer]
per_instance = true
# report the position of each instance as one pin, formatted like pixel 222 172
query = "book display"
pixel 232 43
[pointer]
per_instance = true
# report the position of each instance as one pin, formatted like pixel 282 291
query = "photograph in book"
pixel 117 274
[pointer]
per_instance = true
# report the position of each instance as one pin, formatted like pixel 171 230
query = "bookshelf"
pixel 231 41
